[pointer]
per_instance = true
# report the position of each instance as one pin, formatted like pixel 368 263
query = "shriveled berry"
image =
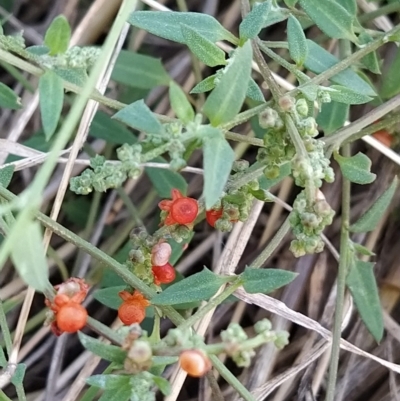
pixel 194 362
pixel 71 317
pixel 131 312
pixel 213 215
pixel 163 274
pixel 160 254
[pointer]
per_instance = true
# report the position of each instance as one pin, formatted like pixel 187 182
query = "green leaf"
pixel 180 104
pixel 112 131
pixel 38 50
pixel 284 171
pixel 164 180
pixel 205 50
pixel 197 287
pixel 108 352
pixel 138 115
pixel 319 60
pixel 334 20
pixel 163 385
pixel 8 98
pixel 297 41
pixel 370 60
pixel 51 97
pixel 218 158
pixel 3 359
pixel 342 94
pixel 254 21
pixel 139 71
pixel 58 35
pixel 356 168
pixel 290 3
pixel 108 381
pixel 29 258
pixel 390 80
pixel 310 92
pixel 362 249
pixel 178 248
pixel 226 100
pixel 6 174
pixel 19 374
pixel 122 393
pixel 254 92
pixel 109 296
pixel 332 116
pixel 370 219
pixel 205 85
pixel 265 280
pixel 77 76
pixel 165 23
pixel 363 288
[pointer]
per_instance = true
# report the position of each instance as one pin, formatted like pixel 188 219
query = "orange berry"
pixel 213 215
pixel 163 274
pixel 71 317
pixel 384 137
pixel 194 362
pixel 181 209
pixel 131 312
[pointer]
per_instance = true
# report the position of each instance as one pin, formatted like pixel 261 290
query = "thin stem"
pixel 272 245
pixel 5 330
pixel 341 283
pixel 381 10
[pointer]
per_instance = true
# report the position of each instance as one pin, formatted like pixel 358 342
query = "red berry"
pixel 131 312
pixel 71 317
pixel 163 274
pixel 181 209
pixel 213 215
pixel 384 137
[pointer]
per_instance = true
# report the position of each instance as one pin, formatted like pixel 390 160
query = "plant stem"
pixel 341 283
pixel 272 245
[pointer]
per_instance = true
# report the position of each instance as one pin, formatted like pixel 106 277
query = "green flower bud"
pixel 302 107
pixel 297 248
pixel 271 172
pixel 262 326
pixel 282 339
pixel 223 225
pixel 240 165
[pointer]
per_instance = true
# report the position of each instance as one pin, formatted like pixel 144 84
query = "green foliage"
pixel 6 174
pixel 109 296
pixel 138 115
pixel 363 288
pixel 205 85
pixel 139 71
pixel 197 287
pixel 370 61
pixel 265 280
pixel 19 374
pixel 29 259
pixel 370 219
pixel 180 104
pixel 345 95
pixel 297 41
pixel 331 18
pixel 164 24
pixel 332 116
pixel 51 97
pixel 108 381
pixel 254 92
pixel 390 80
pixel 226 100
pixel 349 5
pixel 356 168
pixel 8 98
pixel 58 35
pixel 122 393
pixel 254 21
pixel 218 158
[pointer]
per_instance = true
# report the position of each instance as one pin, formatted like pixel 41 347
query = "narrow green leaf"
pixel 332 116
pixel 370 219
pixel 108 352
pixel 319 60
pixel 38 50
pixel 205 50
pixel 122 393
pixel 77 76
pixel 363 288
pixel 197 287
pixel 362 249
pixel 109 296
pixel 349 5
pixel 19 374
pixel 254 21
pixel 3 359
pixel 345 95
pixel 51 97
pixel 164 180
pixel 58 35
pixel 6 174
pixel 265 280
pixel 29 258
pixel 297 41
pixel 138 115
pixel 310 92
pixel 139 71
pixel 390 80
pixel 165 23
pixel 8 98
pixel 205 85
pixel 108 381
pixel 226 100
pixel 370 60
pixel 163 385
pixel 254 92
pixel 356 168
pixel 218 158
pixel 180 104
pixel 112 131
pixel 334 20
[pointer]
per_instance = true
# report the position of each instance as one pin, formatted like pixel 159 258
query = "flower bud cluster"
pixel 307 224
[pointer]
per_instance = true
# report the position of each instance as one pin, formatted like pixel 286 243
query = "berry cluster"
pixel 67 314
